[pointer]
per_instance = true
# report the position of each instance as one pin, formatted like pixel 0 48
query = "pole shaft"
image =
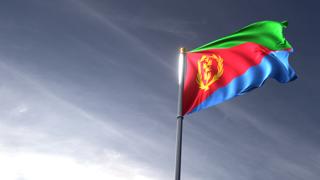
pixel 182 58
pixel 179 147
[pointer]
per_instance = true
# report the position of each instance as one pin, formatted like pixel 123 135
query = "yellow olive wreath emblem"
pixel 205 77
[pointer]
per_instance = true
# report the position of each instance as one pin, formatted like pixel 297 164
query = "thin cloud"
pixel 176 27
pixel 117 29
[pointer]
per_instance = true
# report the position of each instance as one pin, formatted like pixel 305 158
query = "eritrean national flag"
pixel 236 64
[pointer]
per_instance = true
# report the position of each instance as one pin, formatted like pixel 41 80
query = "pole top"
pixel 183 50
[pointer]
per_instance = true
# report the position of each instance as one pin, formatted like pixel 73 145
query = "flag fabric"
pixel 236 64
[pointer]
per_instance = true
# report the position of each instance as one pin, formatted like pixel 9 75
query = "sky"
pixel 88 90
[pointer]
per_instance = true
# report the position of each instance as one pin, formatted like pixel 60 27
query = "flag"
pixel 236 64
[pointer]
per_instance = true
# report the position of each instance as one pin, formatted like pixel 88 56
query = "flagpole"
pixel 182 69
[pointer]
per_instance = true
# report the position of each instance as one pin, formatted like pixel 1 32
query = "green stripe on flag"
pixel 266 33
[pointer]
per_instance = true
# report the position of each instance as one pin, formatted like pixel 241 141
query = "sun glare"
pixel 180 68
pixel 34 166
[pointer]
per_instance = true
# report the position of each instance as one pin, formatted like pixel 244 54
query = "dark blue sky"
pixel 88 90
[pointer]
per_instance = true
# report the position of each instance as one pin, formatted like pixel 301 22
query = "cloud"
pixel 176 27
pixel 129 37
pixel 43 136
pixel 39 166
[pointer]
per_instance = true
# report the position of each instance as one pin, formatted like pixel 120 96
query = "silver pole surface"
pixel 182 69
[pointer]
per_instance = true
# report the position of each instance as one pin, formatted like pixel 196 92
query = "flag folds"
pixel 236 64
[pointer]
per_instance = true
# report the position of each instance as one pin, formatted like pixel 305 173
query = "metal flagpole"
pixel 182 69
